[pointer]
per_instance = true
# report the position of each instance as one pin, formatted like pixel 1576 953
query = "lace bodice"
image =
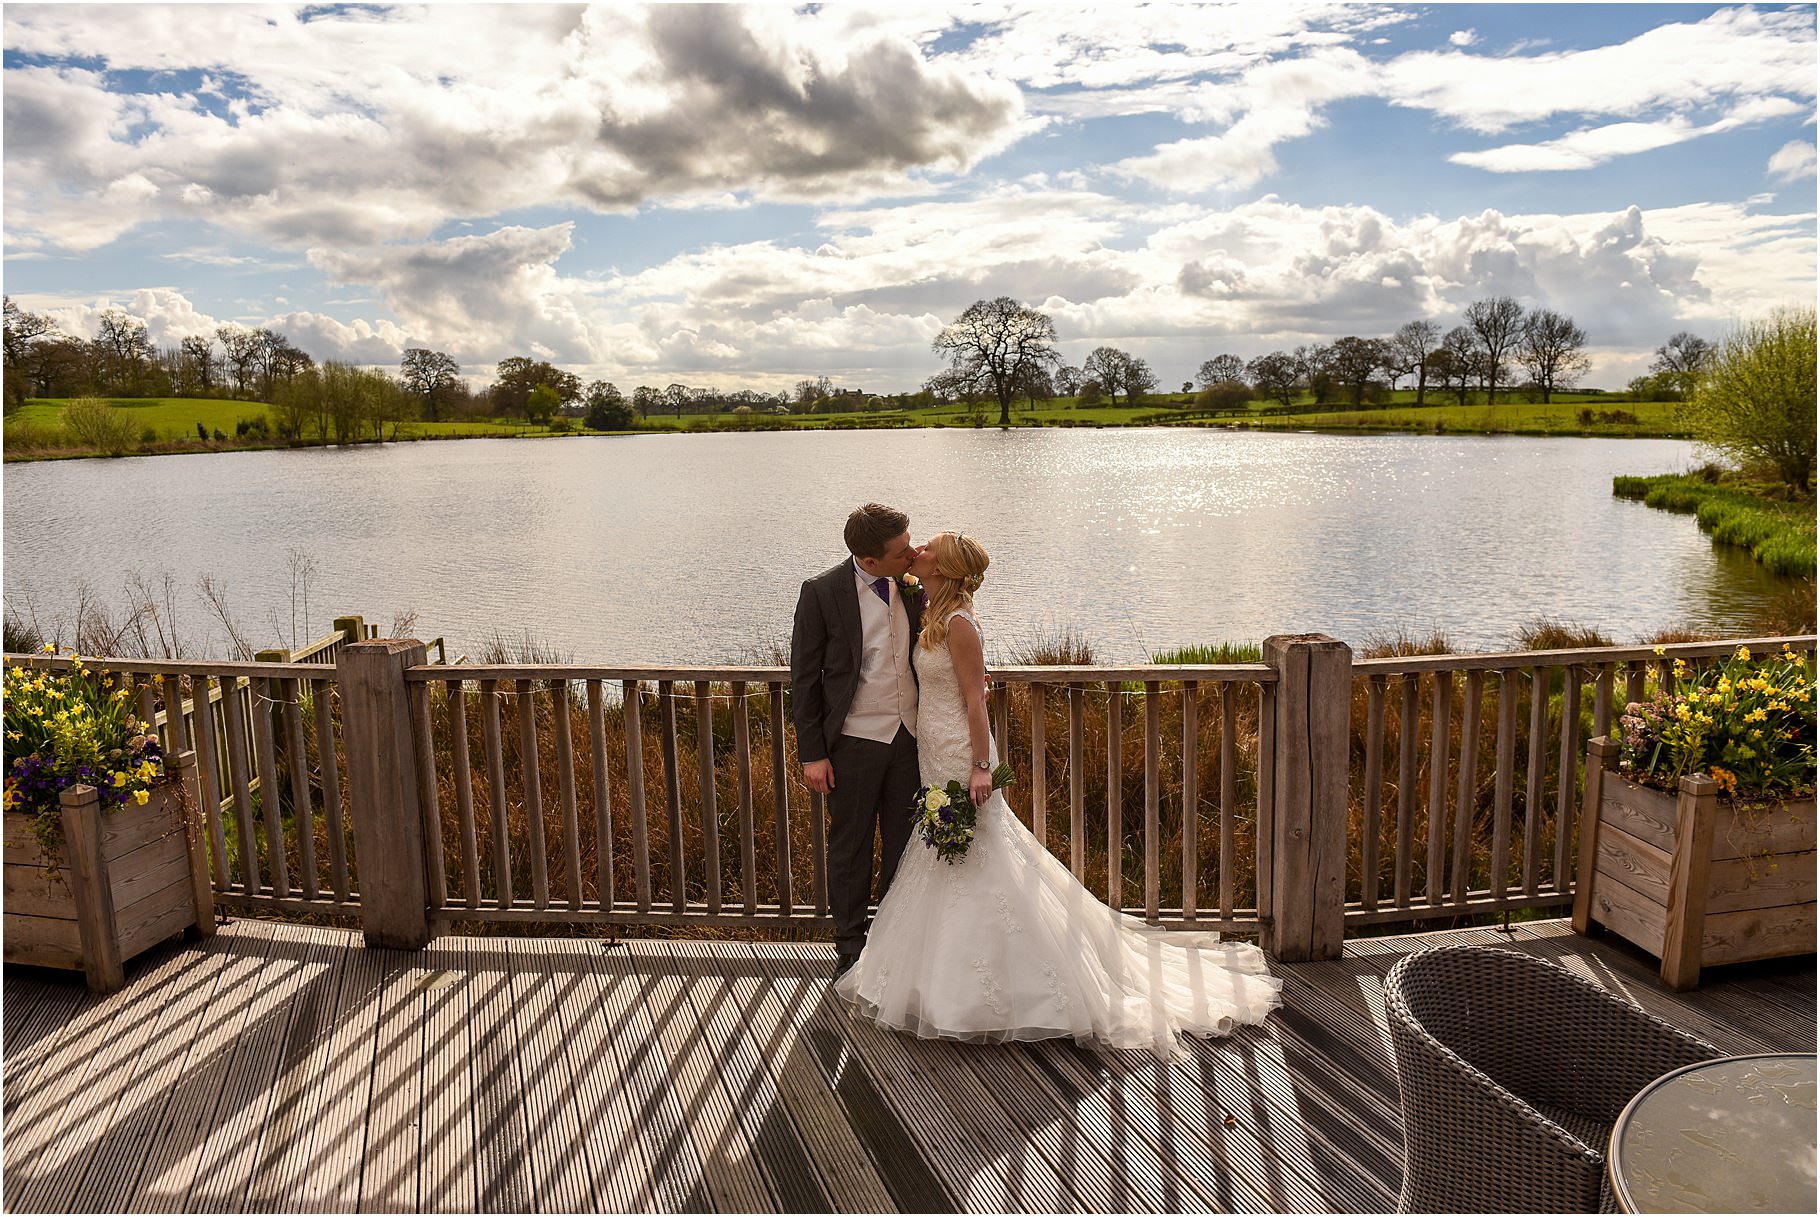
pixel 943 746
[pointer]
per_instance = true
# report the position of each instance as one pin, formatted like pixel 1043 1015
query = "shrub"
pixel 257 427
pixel 1547 634
pixel 99 426
pixel 1754 400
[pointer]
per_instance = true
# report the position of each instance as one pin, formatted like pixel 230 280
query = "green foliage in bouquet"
pixel 945 815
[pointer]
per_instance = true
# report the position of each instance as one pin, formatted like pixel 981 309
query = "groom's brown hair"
pixel 871 527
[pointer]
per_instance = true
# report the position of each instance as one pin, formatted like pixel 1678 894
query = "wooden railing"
pixel 1293 799
pixel 639 794
pixel 1468 795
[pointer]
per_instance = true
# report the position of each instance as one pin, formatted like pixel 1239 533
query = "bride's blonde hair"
pixel 962 561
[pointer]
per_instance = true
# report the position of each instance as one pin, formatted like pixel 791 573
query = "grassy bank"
pixel 169 425
pixel 1761 517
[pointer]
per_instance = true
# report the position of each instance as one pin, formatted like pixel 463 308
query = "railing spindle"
pixel 563 738
pixel 1077 784
pixel 1039 766
pixel 1442 713
pixel 491 732
pixel 1468 795
pixel 533 794
pixel 429 797
pixel 1538 757
pixel 1001 719
pixel 176 730
pixel 818 847
pixel 303 807
pixel 1265 810
pixel 322 700
pixel 1406 789
pixel 1373 792
pixel 208 777
pixel 780 799
pixel 1507 765
pixel 1115 798
pixel 263 707
pixel 1229 794
pixel 1636 675
pixel 1153 799
pixel 710 804
pixel 1191 802
pixel 1602 701
pixel 1565 777
pixel 666 710
pixel 455 699
pixel 603 803
pixel 742 768
pixel 635 795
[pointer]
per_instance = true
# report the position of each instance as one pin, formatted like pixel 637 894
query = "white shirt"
pixel 886 696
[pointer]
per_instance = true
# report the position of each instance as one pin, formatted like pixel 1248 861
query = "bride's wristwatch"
pixel 983 765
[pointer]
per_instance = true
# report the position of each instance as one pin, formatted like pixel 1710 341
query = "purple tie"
pixel 883 587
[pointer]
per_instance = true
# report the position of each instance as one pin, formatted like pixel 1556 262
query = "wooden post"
pixel 202 891
pixel 383 795
pixel 353 629
pixel 1598 754
pixel 88 883
pixel 1689 878
pixel 1308 792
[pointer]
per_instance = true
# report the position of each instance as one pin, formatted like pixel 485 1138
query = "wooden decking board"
pixel 779 1028
pixel 730 1167
pixel 658 1127
pixel 286 1066
pixel 120 1151
pixel 171 1161
pixel 388 1170
pixel 1044 1118
pixel 615 1153
pixel 307 1094
pixel 1147 1138
pixel 732 1029
pixel 446 1178
pixel 959 1130
pixel 501 1160
pixel 86 1108
pixel 559 1169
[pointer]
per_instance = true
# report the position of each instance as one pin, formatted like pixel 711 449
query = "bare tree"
pixel 1681 359
pixel 1221 368
pixel 430 375
pixel 1455 363
pixel 1353 362
pixel 1410 347
pixel 23 328
pixel 1553 351
pixel 1497 324
pixel 1275 376
pixel 240 347
pixel 1002 343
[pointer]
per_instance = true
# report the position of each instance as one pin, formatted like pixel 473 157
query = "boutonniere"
pixel 911 587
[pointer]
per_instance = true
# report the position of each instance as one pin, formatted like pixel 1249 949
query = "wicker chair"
pixel 1512 1071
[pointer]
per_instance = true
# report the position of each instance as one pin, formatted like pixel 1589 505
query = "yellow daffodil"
pixel 141 797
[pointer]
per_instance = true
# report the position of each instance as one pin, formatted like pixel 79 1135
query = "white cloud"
pixel 1792 161
pixel 1462 38
pixel 342 129
pixel 1596 145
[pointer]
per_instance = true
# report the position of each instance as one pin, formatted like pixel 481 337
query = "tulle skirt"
pixel 1007 945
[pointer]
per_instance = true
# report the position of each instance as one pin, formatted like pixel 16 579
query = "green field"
pixel 34 432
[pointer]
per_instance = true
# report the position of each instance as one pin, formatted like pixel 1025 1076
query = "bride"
pixel 1005 944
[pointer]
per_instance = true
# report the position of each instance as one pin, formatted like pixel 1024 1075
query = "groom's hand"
pixel 819 776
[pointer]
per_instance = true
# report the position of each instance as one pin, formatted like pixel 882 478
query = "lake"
pixel 690 548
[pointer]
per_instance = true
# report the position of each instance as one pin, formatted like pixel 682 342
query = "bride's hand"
pixel 979 787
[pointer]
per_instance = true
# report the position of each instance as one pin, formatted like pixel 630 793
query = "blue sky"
pixel 747 195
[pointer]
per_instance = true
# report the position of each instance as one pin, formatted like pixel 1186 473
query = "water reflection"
pixel 691 548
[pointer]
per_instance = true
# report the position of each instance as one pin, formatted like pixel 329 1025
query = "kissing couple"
pixel 888 680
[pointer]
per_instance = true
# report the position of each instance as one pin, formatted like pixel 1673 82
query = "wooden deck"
pixel 280 1067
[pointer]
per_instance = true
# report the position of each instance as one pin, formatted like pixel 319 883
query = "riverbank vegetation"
pixel 1750 398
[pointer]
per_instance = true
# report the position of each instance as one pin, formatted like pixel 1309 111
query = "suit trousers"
pixel 874 786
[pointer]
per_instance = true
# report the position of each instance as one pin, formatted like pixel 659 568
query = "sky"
pixel 747 195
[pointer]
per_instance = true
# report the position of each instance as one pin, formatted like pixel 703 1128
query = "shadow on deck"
pixel 286 1067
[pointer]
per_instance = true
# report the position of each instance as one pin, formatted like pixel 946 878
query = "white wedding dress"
pixel 1006 944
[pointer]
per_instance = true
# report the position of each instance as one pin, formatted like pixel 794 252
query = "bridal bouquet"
pixel 945 815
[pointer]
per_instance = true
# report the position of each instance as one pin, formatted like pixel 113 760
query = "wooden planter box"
pixel 1688 878
pixel 125 881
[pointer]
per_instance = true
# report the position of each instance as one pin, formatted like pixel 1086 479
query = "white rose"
pixel 936 799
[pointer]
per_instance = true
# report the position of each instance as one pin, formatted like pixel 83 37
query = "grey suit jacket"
pixel 825 645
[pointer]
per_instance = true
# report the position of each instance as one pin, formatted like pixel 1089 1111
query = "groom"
pixel 854 701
